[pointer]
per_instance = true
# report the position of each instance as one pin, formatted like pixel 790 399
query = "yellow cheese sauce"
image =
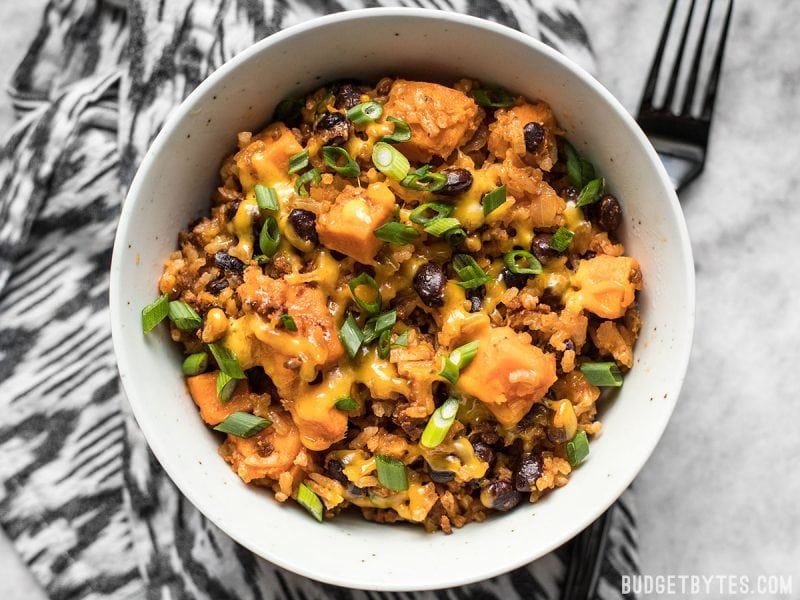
pixel 395 379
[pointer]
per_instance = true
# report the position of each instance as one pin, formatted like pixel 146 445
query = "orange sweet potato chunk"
pixel 441 118
pixel 203 389
pixel 266 454
pixel 266 158
pixel 350 223
pixel 309 309
pixel 607 284
pixel 507 374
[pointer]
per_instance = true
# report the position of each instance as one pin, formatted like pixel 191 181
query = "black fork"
pixel 681 140
pixel 681 136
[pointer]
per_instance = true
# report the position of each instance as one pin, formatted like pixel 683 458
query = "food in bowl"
pixel 405 298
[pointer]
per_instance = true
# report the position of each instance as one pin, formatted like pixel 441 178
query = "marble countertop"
pixel 720 494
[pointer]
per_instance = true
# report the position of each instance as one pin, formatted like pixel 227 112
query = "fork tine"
pixel 652 77
pixel 713 78
pixel 673 78
pixel 698 55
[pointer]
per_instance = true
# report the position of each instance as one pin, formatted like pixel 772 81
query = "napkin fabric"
pixel 84 501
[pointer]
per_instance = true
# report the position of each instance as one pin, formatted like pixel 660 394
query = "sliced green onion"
pixel 449 370
pixel 396 233
pixel 331 156
pixel 266 197
pixel 401 133
pixel 351 336
pixel 227 361
pixel 298 162
pixel 561 239
pixel 578 448
pixel 310 501
pixel 372 307
pixel 440 227
pixel 470 273
pixel 574 171
pixel 602 374
pixel 306 178
pixel 194 364
pixel 459 359
pixel 226 386
pixel 184 316
pixel 154 313
pixel 439 424
pixel 287 322
pixel 347 403
pixel 389 161
pixel 364 113
pixel 375 326
pixel 534 266
pixel 591 192
pixel 288 110
pixel 456 236
pixel 424 180
pixel 493 97
pixel 430 211
pixel 384 344
pixel 401 341
pixel 270 237
pixel 243 425
pixel 322 107
pixel 494 199
pixel 391 473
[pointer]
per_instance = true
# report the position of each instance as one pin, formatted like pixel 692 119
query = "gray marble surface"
pixel 720 494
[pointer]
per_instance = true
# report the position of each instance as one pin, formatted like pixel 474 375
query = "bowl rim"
pixel 161 449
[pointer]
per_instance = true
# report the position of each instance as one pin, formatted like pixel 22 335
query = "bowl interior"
pixel 175 183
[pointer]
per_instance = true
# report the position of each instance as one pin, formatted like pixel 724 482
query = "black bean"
pixel 540 247
pixel 529 469
pixel 304 223
pixel 228 263
pixel 335 470
pixel 475 296
pixel 429 283
pixel 556 435
pixel 483 452
pixel 571 193
pixel 458 181
pixel 517 280
pixel 441 476
pixel 231 209
pixel 261 383
pixel 534 136
pixel 334 128
pixel 347 96
pixel 354 490
pixel 609 213
pixel 502 495
pixel 215 286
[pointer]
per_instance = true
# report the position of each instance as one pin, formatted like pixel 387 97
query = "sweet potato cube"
pixel 507 374
pixel 266 454
pixel 266 158
pixel 203 389
pixel 349 226
pixel 607 284
pixel 441 118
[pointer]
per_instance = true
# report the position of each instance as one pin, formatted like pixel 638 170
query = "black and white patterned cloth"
pixel 83 500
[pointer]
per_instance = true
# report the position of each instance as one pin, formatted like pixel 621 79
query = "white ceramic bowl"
pixel 174 185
